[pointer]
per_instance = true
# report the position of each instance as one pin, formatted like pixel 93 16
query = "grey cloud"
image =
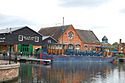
pixel 13 21
pixel 80 3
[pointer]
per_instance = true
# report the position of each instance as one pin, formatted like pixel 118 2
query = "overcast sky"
pixel 104 17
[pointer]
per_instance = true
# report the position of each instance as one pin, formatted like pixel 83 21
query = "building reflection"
pixel 65 72
pixel 78 72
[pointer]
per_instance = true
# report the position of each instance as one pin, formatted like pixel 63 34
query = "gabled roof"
pixel 10 30
pixel 104 38
pixel 46 37
pixel 54 32
pixel 87 36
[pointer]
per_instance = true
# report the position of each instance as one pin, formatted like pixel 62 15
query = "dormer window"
pixel 49 41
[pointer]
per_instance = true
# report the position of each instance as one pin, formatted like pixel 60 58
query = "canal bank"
pixel 9 72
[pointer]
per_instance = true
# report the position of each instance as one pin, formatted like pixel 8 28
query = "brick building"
pixel 89 39
pixel 68 37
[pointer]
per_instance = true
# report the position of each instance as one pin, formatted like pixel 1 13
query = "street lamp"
pixel 62 35
pixel 10 54
pixel 10 48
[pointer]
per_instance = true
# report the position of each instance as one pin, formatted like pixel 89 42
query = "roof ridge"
pixel 8 30
pixel 55 26
pixel 83 30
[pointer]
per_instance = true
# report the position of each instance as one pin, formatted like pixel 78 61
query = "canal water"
pixel 72 73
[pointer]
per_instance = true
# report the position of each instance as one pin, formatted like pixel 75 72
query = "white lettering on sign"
pixel 28 38
pixel 2 39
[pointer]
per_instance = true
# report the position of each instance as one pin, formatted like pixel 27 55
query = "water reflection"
pixel 80 72
pixel 72 73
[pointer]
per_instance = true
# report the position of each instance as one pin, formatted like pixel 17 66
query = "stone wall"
pixel 9 72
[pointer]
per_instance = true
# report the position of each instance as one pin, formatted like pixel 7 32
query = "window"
pixel 77 46
pixel 85 46
pixel 20 38
pixel 70 35
pixel 49 41
pixel 36 39
pixel 70 46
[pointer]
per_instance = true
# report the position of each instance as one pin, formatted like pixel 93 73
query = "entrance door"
pixel 25 49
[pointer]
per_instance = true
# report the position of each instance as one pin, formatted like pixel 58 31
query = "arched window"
pixel 70 46
pixel 77 47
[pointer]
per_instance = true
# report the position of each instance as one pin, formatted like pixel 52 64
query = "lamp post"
pixel 62 35
pixel 62 30
pixel 10 54
pixel 10 48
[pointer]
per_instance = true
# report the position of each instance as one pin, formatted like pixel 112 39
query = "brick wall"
pixel 76 39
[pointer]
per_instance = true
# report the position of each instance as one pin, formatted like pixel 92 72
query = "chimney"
pixel 120 41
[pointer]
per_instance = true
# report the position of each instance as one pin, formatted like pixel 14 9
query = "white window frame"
pixel 36 39
pixel 49 41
